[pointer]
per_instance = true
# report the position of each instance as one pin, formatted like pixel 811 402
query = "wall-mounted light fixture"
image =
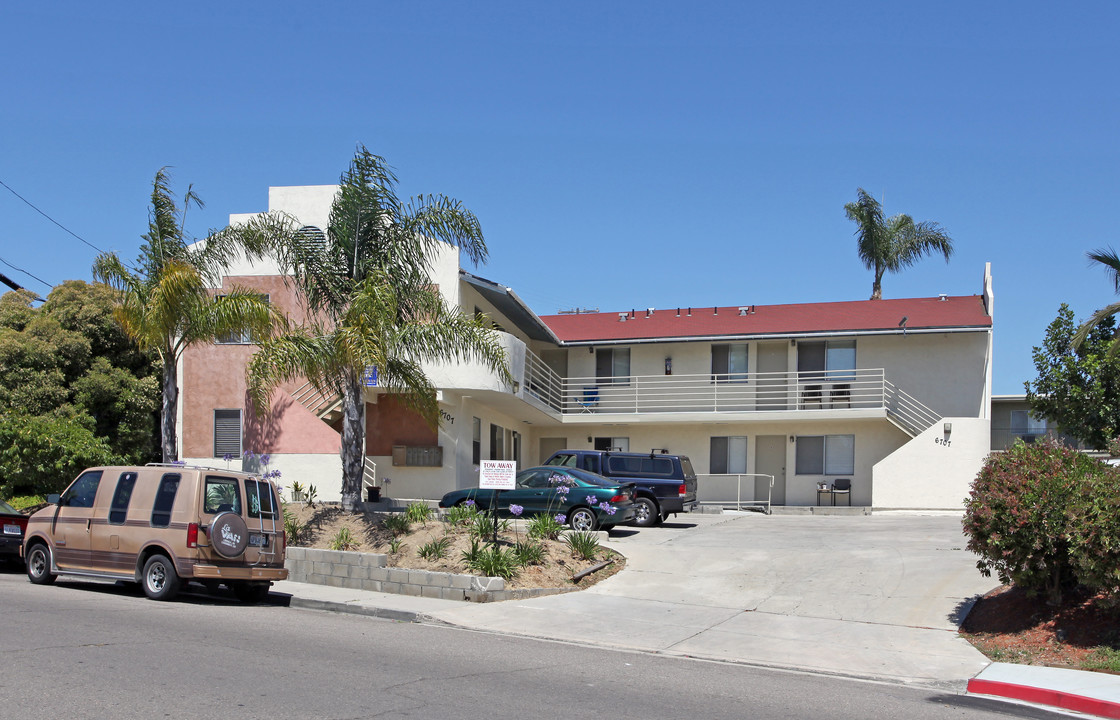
pixel 948 429
pixel 590 349
pixel 792 439
pixel 668 366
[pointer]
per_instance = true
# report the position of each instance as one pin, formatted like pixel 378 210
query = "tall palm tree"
pixel 163 300
pixel 369 294
pixel 1111 262
pixel 888 245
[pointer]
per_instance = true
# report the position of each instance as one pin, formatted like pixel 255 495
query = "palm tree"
pixel 893 243
pixel 368 291
pixel 1111 262
pixel 163 301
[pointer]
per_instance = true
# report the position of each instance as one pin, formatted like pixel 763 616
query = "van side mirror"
pixel 53 498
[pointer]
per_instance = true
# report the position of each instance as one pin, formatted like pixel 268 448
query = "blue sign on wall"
pixel 371 376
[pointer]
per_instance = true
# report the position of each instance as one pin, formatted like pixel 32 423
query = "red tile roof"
pixel 784 320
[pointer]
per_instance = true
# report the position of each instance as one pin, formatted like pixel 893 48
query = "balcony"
pixel 592 398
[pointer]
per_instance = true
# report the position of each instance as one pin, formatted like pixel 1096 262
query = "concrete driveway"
pixel 873 596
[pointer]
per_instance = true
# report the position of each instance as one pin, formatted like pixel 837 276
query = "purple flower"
pixel 591 500
pixel 561 518
pixel 563 489
pixel 516 510
pixel 469 503
pixel 265 459
pixel 607 508
pixel 227 457
pixel 248 454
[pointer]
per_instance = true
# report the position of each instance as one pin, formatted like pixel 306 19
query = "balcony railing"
pixel 725 393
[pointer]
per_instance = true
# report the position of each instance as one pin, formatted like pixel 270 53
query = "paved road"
pixel 86 650
pixel 876 596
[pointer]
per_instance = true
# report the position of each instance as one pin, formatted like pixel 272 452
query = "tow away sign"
pixel 497 475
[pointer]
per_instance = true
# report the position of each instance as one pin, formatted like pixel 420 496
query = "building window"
pixel 165 499
pixel 617 444
pixel 497 442
pixel 729 363
pixel 831 355
pixel 227 433
pixel 1025 424
pixel 240 337
pixel 728 455
pixel 826 454
pixel 476 447
pixel 612 366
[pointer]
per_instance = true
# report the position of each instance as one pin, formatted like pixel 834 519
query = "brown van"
pixel 161 525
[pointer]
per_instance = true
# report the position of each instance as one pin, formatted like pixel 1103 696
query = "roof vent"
pixel 622 317
pixel 678 312
pixel 649 312
pixel 744 310
pixel 715 310
pixel 943 297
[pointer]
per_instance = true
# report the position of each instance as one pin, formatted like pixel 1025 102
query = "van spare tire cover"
pixel 228 534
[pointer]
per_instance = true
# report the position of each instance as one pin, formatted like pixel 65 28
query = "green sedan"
pixel 585 500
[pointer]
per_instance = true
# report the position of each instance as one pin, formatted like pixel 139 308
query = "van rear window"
pixel 222 495
pixel 121 495
pixel 262 502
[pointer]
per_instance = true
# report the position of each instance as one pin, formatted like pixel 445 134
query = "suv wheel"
pixel 646 513
pixel 160 581
pixel 39 565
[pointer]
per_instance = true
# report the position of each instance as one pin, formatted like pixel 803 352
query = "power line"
pixel 2 260
pixel 48 217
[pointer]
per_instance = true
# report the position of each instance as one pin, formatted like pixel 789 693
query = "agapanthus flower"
pixel 561 518
pixel 591 500
pixel 516 510
pixel 469 503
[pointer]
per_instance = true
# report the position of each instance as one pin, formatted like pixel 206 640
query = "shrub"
pixel 418 512
pixel 529 552
pixel 436 549
pixel 496 562
pixel 584 545
pixel 546 527
pixel 1094 518
pixel 397 524
pixel 41 455
pixel 293 528
pixel 460 514
pixel 1031 516
pixel 344 540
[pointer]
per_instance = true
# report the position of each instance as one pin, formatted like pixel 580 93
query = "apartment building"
pixel 770 401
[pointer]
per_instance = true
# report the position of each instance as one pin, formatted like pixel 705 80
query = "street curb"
pixel 377 612
pixel 1045 696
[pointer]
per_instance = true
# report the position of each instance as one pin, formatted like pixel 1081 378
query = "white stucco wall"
pixel 324 471
pixel 927 473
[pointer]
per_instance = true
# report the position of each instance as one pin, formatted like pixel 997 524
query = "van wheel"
pixel 39 565
pixel 250 592
pixel 160 582
pixel 645 512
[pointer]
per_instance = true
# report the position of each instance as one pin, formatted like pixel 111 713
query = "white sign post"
pixel 497 475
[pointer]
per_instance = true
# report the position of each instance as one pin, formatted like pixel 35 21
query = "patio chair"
pixel 590 398
pixel 812 394
pixel 840 393
pixel 842 486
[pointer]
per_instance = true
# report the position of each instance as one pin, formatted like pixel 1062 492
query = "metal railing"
pixel 319 402
pixel 715 492
pixel 728 392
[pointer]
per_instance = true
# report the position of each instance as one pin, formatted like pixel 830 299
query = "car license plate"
pixel 11 530
pixel 258 540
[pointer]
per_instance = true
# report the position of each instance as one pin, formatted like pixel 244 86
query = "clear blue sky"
pixel 619 154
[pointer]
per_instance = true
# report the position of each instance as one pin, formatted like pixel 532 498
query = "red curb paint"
pixel 1042 696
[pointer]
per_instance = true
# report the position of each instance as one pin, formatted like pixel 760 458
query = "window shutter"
pixel 227 432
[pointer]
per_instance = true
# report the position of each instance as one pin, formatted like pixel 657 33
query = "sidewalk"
pixel 1091 693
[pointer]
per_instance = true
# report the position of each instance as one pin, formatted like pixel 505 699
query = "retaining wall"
pixel 369 571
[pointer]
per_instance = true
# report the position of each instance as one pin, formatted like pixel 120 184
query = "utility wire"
pixel 48 217
pixel 2 260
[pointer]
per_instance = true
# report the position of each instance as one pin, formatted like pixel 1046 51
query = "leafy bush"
pixel 397 524
pixel 344 540
pixel 584 545
pixel 396 545
pixel 496 562
pixel 293 528
pixel 1035 517
pixel 418 512
pixel 471 554
pixel 482 526
pixel 436 549
pixel 529 552
pixel 460 514
pixel 546 527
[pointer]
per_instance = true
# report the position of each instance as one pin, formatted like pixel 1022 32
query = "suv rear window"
pixel 222 495
pixel 639 465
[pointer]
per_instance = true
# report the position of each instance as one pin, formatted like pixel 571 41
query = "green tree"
pixel 894 243
pixel 164 302
pixel 367 286
pixel 41 455
pixel 1107 258
pixel 1077 387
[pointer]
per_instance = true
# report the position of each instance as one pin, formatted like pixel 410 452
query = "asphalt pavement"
pixel 876 597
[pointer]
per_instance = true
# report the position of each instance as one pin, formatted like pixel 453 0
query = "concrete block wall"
pixel 370 571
